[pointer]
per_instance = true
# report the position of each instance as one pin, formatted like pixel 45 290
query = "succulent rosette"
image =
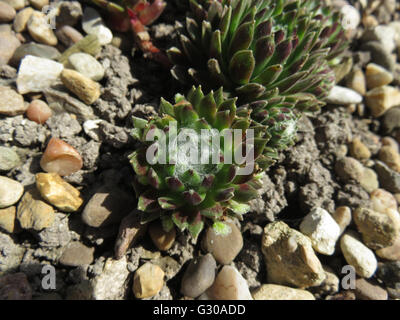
pixel 261 49
pixel 188 194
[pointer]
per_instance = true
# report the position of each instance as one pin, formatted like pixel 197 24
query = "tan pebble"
pixel 38 111
pixel 389 141
pixel 377 76
pixel 21 19
pixel 85 88
pixel 61 158
pixel 359 150
pixel 58 192
pixel 148 281
pixel 369 21
pixel 380 99
pixel 391 157
pixel 382 201
pixel 162 240
pixel 356 81
pixel 7 219
pixel 342 216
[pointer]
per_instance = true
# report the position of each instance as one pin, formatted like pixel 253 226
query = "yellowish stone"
pixel 85 88
pixel 148 281
pixel 58 192
pixel 7 219
pixel 33 213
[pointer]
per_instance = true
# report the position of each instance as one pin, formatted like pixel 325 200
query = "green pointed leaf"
pixel 242 38
pixel 180 221
pixel 146 217
pixel 195 96
pixel 139 123
pixel 191 178
pixel 193 198
pixel 139 169
pixel 195 228
pixel 245 193
pixel 225 22
pixel 166 107
pixel 167 203
pixel 174 184
pixel 269 75
pixel 241 66
pixel 147 203
pixel 214 212
pixel 208 108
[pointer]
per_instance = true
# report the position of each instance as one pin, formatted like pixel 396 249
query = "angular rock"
pixel 11 103
pixel 86 89
pixel 224 248
pixel 107 206
pixel 379 230
pixel 229 285
pixel 10 191
pixel 377 76
pixel 40 30
pixel 349 169
pixel 148 281
pixel 9 159
pixel 391 120
pixel 277 292
pixel 289 257
pixel 33 213
pixel 322 230
pixel 112 282
pixel 37 74
pixel 388 178
pixel 86 65
pixel 381 99
pixel 7 219
pixel 58 192
pixel 199 276
pixel 77 254
pixel 358 255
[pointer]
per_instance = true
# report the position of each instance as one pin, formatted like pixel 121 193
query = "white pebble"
pixel 37 74
pixel 322 230
pixel 358 255
pixel 343 96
